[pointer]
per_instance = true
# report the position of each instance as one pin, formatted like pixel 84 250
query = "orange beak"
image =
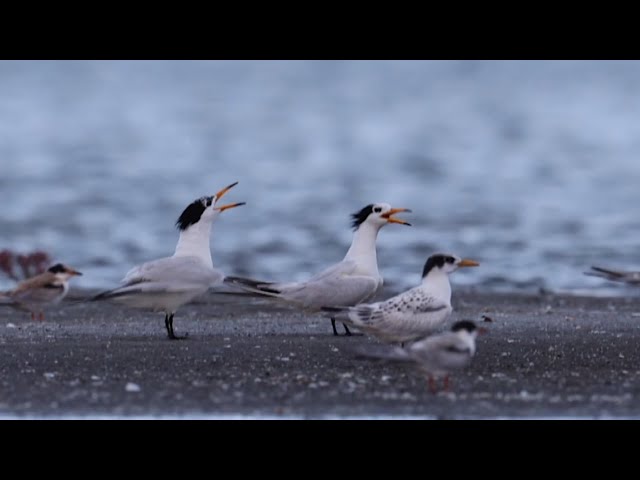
pixel 224 190
pixel 71 271
pixel 229 205
pixel 390 219
pixel 465 262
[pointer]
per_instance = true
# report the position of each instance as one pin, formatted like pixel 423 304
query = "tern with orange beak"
pixel 167 283
pixel 413 314
pixel 36 292
pixel 352 281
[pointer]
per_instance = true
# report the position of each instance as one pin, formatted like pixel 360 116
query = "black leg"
pixel 333 325
pixel 166 324
pixel 168 321
pixel 346 330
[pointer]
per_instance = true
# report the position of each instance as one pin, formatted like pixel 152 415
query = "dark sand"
pixel 545 356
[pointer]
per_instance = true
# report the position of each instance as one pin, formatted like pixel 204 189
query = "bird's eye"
pixel 377 209
pixel 451 259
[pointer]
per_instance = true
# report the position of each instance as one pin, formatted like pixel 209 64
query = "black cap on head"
pixel 193 212
pixel 467 325
pixel 57 268
pixel 361 216
pixel 437 260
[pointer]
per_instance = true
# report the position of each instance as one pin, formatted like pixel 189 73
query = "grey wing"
pixel 336 285
pixel 399 318
pixel 346 267
pixel 416 301
pixel 442 352
pixel 44 294
pixel 175 271
pixel 411 302
pixel 382 352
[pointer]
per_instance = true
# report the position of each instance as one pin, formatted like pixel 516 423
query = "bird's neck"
pixel 437 282
pixel 363 248
pixel 194 242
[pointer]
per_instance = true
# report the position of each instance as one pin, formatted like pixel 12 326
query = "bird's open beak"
pixel 230 205
pixel 465 262
pixel 390 219
pixel 224 190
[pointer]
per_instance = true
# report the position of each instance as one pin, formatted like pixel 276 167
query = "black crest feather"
pixel 361 216
pixel 57 268
pixel 467 325
pixel 193 212
pixel 437 260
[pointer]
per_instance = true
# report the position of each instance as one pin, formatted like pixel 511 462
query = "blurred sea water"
pixel 530 167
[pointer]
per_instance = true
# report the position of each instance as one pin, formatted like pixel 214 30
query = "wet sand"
pixel 546 356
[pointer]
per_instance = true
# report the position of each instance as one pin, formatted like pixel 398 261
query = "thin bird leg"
pixel 445 383
pixel 432 385
pixel 333 325
pixel 347 332
pixel 41 316
pixel 168 322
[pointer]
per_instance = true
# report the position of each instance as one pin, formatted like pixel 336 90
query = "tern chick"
pixel 34 293
pixel 436 356
pixel 413 314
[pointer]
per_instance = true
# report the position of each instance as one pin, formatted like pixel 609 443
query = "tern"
pixel 438 355
pixel 167 283
pixel 34 293
pixel 353 280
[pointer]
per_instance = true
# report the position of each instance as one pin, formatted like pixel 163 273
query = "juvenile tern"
pixel 413 314
pixel 349 282
pixel 34 293
pixel 438 355
pixel 167 283
pixel 632 278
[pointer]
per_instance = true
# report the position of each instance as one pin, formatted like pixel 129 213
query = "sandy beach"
pixel 546 356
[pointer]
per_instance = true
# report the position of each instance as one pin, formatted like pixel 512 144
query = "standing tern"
pixel 413 314
pixel 167 283
pixel 438 355
pixel 349 282
pixel 44 289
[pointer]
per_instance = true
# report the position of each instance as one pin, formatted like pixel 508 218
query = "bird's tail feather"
pixel 605 273
pixel 253 286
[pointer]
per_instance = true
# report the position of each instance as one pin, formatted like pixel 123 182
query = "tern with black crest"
pixel 353 280
pixel 167 283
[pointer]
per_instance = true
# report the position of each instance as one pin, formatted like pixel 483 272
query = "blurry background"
pixel 530 167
